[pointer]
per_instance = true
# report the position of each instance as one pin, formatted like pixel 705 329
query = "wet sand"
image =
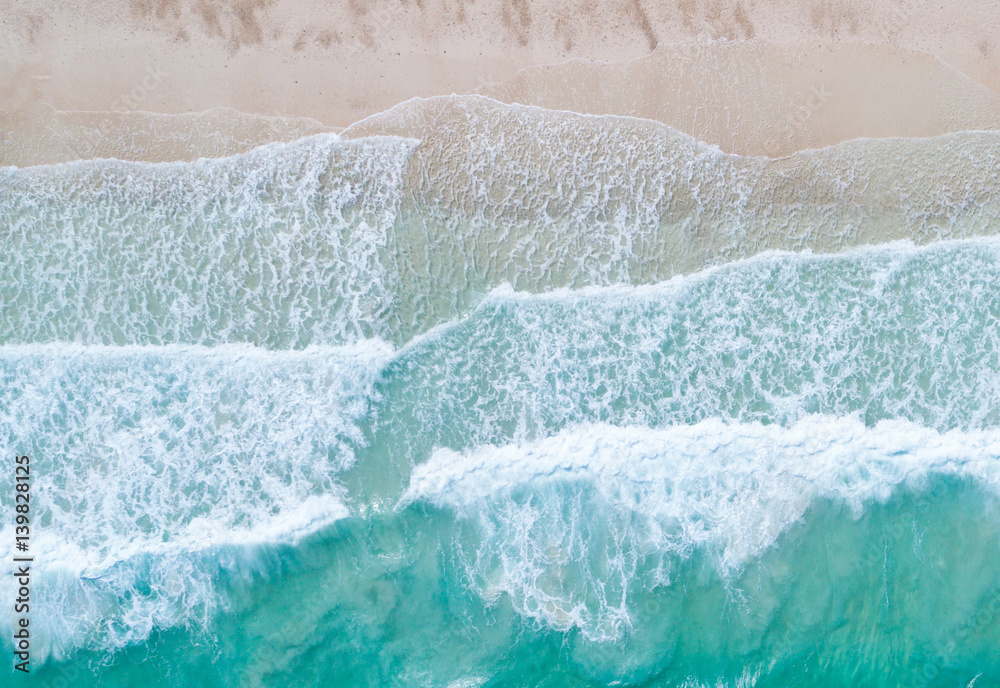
pixel 768 78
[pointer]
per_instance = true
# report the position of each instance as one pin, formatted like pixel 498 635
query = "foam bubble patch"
pixel 153 466
pixel 565 525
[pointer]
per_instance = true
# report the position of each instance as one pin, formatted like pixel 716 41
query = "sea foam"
pixel 414 214
pixel 278 247
pixel 158 471
pixel 567 526
pixel 893 332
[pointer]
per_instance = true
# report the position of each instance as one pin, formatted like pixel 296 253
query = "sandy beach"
pixel 756 78
pixel 500 343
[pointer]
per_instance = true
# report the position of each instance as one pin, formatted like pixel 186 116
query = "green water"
pixel 909 590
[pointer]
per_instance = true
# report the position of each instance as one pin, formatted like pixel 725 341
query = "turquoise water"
pixel 284 433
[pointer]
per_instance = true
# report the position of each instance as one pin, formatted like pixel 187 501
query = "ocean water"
pixel 483 395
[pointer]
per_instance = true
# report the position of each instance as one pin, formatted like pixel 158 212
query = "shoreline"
pixel 184 79
pixel 337 64
pixel 749 98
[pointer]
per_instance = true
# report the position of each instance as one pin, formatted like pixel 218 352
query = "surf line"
pixel 22 562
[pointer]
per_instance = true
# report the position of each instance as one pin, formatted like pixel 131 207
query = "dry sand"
pixel 339 62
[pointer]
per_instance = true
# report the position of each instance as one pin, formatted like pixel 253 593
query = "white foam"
pixel 325 240
pixel 155 449
pixel 563 522
pixel 548 199
pixel 155 468
pixel 279 247
pixel 896 331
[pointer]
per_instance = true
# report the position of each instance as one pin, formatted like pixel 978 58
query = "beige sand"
pixel 41 135
pixel 750 98
pixel 339 62
pixel 755 98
